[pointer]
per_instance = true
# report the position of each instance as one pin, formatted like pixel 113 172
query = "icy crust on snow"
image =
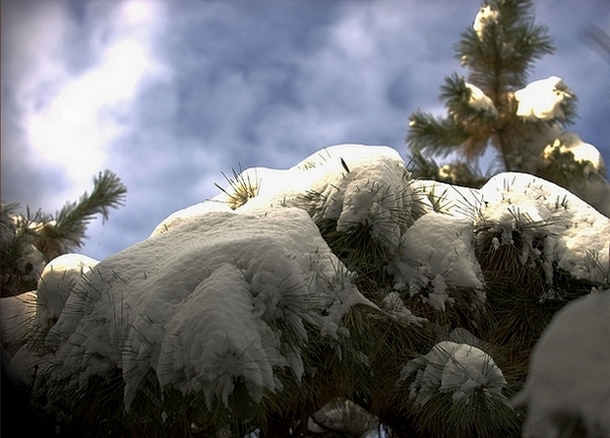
pixel 460 369
pixel 576 236
pixel 568 379
pixel 219 297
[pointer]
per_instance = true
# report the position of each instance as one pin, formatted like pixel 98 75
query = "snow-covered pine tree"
pixel 30 241
pixel 494 106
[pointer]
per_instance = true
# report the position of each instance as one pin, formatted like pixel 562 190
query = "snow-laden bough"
pixel 221 298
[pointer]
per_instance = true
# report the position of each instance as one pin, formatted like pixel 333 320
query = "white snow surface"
pixel 17 314
pixel 577 237
pixel 58 279
pixel 543 99
pixel 485 15
pixel 479 101
pixel 438 249
pixel 200 305
pixel 457 368
pixel 569 372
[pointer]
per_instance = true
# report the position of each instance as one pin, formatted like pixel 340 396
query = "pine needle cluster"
pixel 30 241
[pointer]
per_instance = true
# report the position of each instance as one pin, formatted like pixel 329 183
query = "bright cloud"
pixel 73 128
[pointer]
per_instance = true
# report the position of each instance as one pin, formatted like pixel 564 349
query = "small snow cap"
pixel 485 15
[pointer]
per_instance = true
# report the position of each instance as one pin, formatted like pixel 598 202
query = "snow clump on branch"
pixel 459 369
pixel 480 101
pixel 485 15
pixel 543 99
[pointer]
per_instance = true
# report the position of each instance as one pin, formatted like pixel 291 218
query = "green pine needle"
pixel 72 220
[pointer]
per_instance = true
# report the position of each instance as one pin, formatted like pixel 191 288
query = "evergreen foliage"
pixel 366 378
pixel 30 241
pixel 498 52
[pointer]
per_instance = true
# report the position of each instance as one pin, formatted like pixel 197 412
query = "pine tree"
pixel 30 241
pixel 494 106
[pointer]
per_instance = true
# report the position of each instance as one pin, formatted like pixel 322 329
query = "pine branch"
pixel 498 50
pixel 71 221
pixel 19 260
pixel 433 134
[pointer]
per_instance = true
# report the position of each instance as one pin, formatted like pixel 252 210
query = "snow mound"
pixel 576 236
pixel 217 299
pixel 543 99
pixel 568 386
pixel 460 369
pixel 372 192
pixel 437 249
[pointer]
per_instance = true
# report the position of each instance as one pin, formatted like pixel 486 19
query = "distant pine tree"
pixel 494 106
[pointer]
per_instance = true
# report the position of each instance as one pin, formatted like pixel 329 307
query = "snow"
pixel 460 369
pixel 569 368
pixel 235 288
pixel 437 249
pixel 569 141
pixel 394 303
pixel 577 237
pixel 543 99
pixel 479 101
pixel 17 315
pixel 58 279
pixel 453 200
pixel 201 305
pixel 485 16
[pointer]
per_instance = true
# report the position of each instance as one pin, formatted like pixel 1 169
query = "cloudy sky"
pixel 169 94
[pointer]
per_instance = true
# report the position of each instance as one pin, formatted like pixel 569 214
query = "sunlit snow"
pixel 479 101
pixel 485 15
pixel 569 141
pixel 543 99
